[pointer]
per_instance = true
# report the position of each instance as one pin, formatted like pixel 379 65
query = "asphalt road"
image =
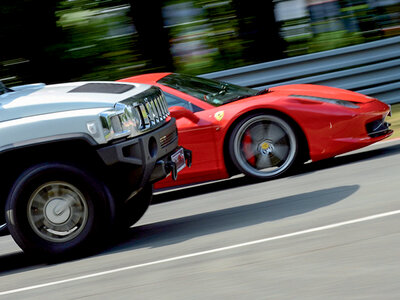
pixel 329 232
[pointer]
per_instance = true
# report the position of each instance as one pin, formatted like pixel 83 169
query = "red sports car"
pixel 263 134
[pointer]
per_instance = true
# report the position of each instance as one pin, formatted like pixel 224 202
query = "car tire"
pixel 3 224
pixel 133 210
pixel 263 146
pixel 57 209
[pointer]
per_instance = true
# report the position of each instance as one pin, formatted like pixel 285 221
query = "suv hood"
pixel 37 99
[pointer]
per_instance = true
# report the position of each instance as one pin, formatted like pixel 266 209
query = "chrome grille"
pixel 151 108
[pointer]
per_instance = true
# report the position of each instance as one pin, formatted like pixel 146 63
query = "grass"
pixel 395 120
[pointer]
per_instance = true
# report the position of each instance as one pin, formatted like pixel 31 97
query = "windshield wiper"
pixel 222 91
pixel 237 98
pixel 4 89
pixel 262 92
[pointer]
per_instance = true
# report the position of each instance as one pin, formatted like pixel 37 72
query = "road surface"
pixel 331 231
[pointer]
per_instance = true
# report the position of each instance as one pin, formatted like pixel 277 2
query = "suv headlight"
pixel 121 121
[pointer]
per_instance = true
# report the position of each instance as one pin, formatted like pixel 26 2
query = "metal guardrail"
pixel 371 68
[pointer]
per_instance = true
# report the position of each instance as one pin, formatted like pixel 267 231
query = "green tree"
pixel 153 37
pixel 28 34
pixel 259 30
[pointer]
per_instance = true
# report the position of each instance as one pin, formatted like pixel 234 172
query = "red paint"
pixel 330 129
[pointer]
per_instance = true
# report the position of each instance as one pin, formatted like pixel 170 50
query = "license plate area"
pixel 178 158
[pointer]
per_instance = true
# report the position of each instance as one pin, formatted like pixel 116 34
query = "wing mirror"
pixel 179 112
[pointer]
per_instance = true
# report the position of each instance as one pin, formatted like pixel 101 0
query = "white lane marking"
pixel 335 225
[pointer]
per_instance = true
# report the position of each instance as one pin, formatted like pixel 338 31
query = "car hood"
pixel 36 99
pixel 321 91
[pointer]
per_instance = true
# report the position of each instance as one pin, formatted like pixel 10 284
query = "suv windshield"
pixel 213 92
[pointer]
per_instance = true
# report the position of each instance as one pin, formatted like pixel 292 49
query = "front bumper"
pixel 149 153
pixel 167 166
pixel 351 130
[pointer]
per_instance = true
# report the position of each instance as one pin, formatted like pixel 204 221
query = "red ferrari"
pixel 263 134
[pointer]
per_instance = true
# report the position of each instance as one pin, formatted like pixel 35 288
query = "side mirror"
pixel 179 112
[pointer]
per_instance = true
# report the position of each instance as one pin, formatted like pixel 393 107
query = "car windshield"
pixel 213 92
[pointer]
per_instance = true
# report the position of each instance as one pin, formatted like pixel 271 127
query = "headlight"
pixel 328 100
pixel 121 121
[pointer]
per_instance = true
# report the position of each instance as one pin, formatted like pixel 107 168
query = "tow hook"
pixel 171 167
pixel 188 156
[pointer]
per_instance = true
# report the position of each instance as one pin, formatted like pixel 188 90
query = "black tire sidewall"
pixel 131 212
pixel 3 229
pixel 17 202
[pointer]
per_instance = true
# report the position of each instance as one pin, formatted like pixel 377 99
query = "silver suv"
pixel 79 159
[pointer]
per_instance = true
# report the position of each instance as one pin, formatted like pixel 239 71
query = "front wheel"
pixel 263 146
pixel 57 209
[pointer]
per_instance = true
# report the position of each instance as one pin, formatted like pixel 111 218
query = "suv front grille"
pixel 151 108
pixel 152 111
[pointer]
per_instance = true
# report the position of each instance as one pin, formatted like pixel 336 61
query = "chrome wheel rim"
pixel 265 146
pixel 57 211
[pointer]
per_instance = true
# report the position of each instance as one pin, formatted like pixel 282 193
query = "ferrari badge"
pixel 219 115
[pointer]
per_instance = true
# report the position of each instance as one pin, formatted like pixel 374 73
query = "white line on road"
pixel 326 227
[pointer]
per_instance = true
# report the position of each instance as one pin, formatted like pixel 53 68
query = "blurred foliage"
pixel 98 38
pixel 359 22
pixel 68 40
pixel 204 35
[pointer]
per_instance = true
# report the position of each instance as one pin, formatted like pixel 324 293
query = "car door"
pixel 197 134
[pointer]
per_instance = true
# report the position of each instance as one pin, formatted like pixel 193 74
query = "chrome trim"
pixel 152 108
pixel 135 115
pixel 109 120
pixel 57 211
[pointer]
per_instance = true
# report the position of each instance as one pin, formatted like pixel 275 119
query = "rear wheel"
pixel 56 209
pixel 263 146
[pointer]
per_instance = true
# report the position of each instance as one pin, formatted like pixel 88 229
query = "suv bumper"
pixel 167 165
pixel 150 152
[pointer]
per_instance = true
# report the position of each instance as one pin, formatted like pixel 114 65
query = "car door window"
pixel 176 101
